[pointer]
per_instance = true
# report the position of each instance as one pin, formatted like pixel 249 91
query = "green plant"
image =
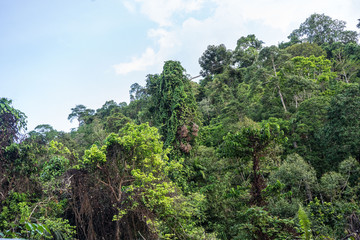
pixel 305 223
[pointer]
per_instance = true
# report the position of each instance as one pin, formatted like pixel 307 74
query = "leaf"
pixel 29 226
pixel 304 223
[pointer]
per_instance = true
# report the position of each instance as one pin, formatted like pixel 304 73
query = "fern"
pixel 304 223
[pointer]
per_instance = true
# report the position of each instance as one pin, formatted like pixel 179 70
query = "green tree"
pixel 273 59
pixel 305 135
pixel 303 77
pixel 107 109
pixel 298 176
pixel 82 114
pixel 12 121
pixel 322 29
pixel 136 92
pixel 306 50
pixel 44 133
pixel 214 59
pixel 251 143
pixel 127 176
pixel 346 61
pixel 173 106
pixel 341 132
pixel 246 51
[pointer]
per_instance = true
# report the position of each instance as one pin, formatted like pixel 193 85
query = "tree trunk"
pixel 118 230
pixel 258 183
pixel 282 99
pixel 278 87
pixel 346 80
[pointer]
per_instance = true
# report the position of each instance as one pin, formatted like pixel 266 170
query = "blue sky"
pixel 60 53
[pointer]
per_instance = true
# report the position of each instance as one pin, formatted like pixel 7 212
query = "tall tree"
pixel 43 133
pixel 82 114
pixel 136 92
pixel 173 106
pixel 246 51
pixel 305 50
pixel 12 121
pixel 251 143
pixel 214 59
pixel 341 133
pixel 321 29
pixel 273 58
pixel 122 190
pixel 346 61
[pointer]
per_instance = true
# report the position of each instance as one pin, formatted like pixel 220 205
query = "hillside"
pixel 264 144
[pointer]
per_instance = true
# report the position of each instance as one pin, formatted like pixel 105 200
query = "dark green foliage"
pixel 329 219
pixel 259 224
pixel 305 135
pixel 173 107
pixel 304 223
pixel 137 92
pixel 82 114
pixel 298 177
pixel 321 29
pixel 306 50
pixel 250 143
pixel 44 133
pixel 246 51
pixel 214 60
pixel 12 121
pixel 341 132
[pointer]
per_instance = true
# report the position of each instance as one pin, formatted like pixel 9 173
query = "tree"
pixel 298 177
pixel 136 92
pixel 82 114
pixel 322 29
pixel 273 58
pixel 214 59
pixel 341 135
pixel 304 76
pixel 173 106
pixel 306 127
pixel 305 50
pixel 251 143
pixel 12 121
pixel 128 194
pixel 107 109
pixel 314 68
pixel 346 61
pixel 246 51
pixel 43 133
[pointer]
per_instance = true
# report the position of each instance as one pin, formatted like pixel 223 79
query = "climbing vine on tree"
pixel 173 106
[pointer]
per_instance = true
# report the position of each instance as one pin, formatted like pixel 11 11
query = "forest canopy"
pixel 265 145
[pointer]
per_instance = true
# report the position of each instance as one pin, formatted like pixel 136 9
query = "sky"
pixel 57 54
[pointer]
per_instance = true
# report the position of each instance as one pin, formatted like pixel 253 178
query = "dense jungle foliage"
pixel 266 145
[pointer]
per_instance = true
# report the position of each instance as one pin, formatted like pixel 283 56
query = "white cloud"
pixel 166 42
pixel 163 38
pixel 130 6
pixel 270 20
pixel 148 58
pixel 162 11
